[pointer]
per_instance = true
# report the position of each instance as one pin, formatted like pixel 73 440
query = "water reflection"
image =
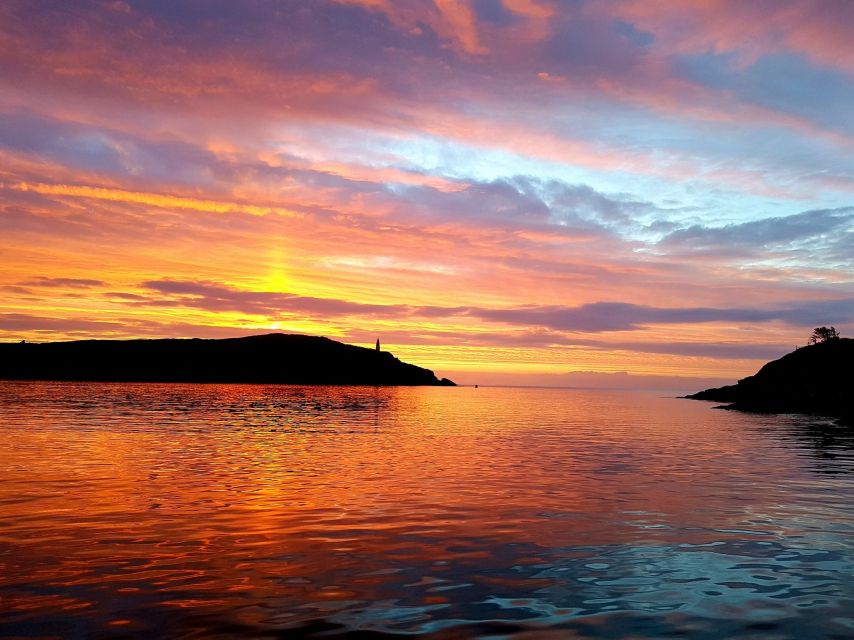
pixel 265 511
pixel 827 444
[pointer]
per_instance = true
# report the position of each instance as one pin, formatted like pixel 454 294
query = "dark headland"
pixel 273 358
pixel 817 379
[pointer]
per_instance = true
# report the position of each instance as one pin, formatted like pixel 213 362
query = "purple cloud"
pixel 215 297
pixel 64 283
pixel 598 317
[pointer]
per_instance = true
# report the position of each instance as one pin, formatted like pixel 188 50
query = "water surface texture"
pixel 250 511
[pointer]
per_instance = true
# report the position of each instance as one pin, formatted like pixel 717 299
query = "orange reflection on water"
pixel 204 507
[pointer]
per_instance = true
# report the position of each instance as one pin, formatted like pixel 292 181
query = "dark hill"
pixel 816 379
pixel 273 358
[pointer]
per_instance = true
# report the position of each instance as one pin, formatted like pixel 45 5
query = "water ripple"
pixel 258 511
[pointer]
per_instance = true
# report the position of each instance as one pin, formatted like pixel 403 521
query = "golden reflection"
pixel 312 500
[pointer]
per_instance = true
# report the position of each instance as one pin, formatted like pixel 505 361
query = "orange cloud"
pixel 152 199
pixel 821 31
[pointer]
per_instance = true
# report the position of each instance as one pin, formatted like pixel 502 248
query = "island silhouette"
pixel 816 379
pixel 272 358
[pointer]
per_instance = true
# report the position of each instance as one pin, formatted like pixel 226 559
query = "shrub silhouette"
pixel 823 334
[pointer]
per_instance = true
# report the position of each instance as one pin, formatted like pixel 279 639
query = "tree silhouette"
pixel 823 334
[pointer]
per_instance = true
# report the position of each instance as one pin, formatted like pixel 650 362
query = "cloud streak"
pixel 598 317
pixel 152 199
pixel 62 283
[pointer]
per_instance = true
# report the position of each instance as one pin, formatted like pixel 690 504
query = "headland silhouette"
pixel 816 379
pixel 272 358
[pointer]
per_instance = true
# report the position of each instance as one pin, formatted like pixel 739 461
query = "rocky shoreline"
pixel 817 379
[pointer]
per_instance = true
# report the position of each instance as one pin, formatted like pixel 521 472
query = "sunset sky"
pixel 500 190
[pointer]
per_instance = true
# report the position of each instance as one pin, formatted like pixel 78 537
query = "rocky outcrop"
pixel 817 379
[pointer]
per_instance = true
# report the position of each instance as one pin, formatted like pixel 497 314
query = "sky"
pixel 504 191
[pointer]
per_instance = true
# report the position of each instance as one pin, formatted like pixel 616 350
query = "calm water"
pixel 242 511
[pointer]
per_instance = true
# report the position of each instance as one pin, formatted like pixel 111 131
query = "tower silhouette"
pixel 378 344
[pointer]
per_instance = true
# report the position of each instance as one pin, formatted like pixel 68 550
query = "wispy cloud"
pixel 756 236
pixel 70 283
pixel 153 199
pixel 215 297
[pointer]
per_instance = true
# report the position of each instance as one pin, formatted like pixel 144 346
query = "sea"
pixel 264 511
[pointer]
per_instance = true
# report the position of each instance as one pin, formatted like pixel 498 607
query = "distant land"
pixel 817 379
pixel 272 358
pixel 604 380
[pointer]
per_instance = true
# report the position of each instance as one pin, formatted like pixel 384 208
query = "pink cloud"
pixel 819 30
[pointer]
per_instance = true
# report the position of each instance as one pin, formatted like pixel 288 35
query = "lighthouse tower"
pixel 378 344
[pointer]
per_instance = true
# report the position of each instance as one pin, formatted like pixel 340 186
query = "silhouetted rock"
pixel 272 358
pixel 817 379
